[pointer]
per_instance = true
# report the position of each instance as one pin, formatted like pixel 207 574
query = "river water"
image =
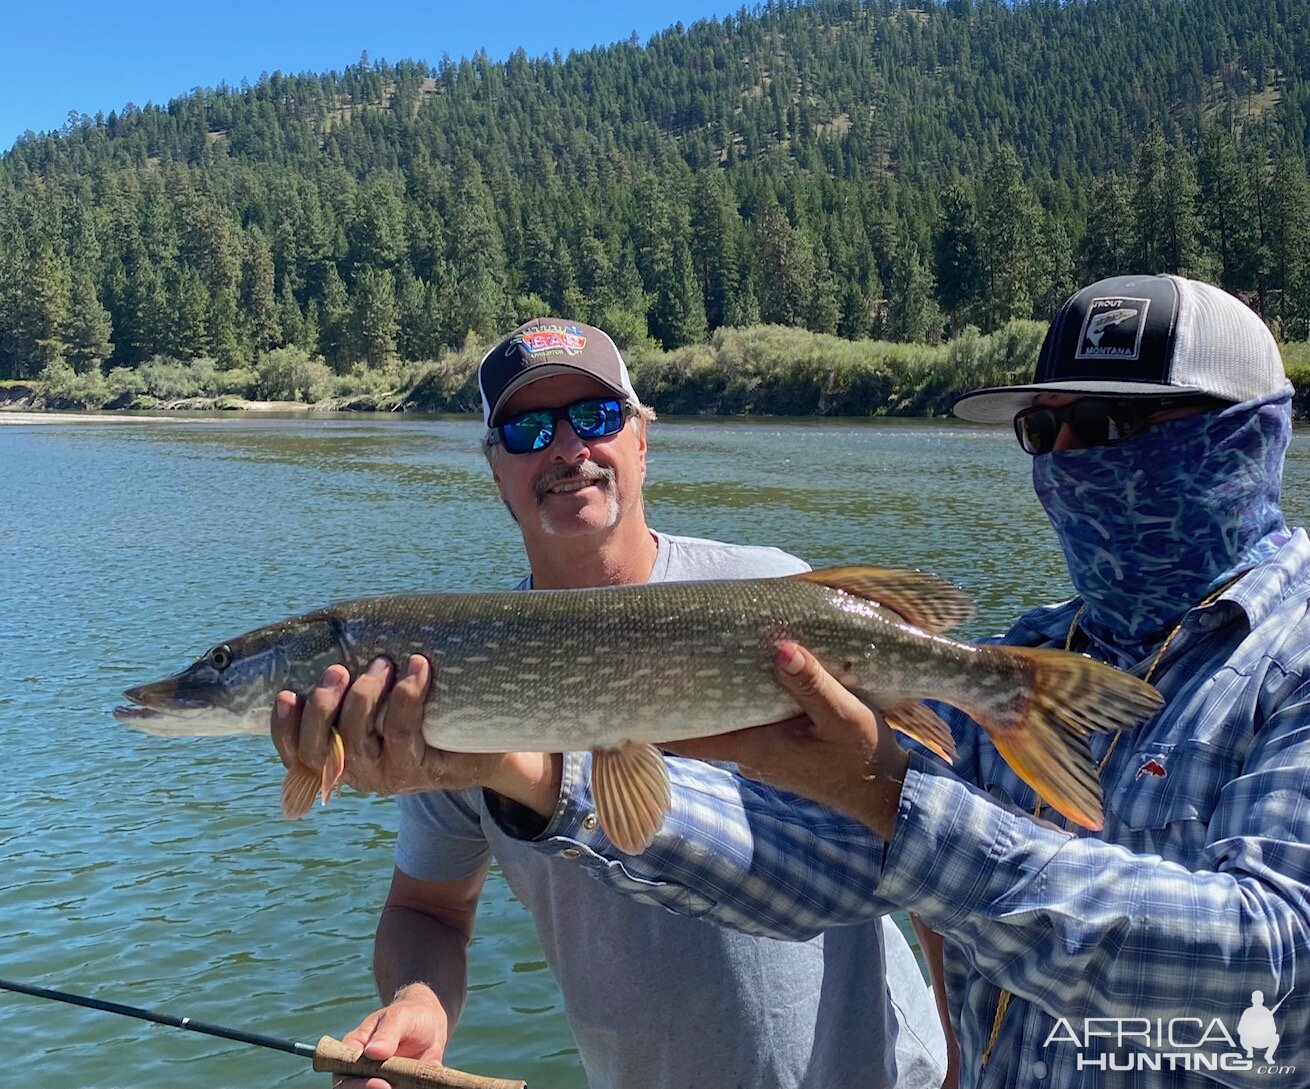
pixel 157 872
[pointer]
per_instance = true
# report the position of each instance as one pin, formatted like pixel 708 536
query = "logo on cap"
pixel 551 341
pixel 1113 329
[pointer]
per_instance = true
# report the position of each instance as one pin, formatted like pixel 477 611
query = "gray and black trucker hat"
pixel 543 347
pixel 1144 336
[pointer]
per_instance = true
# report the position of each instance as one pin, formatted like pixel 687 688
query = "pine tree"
pixel 1109 240
pixel 913 315
pixel 259 307
pixel 373 317
pixel 87 331
pixel 1008 242
pixel 955 257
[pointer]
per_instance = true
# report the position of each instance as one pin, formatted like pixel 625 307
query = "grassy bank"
pixel 758 370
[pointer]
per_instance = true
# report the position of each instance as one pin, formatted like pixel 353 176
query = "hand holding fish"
pixel 840 752
pixel 368 732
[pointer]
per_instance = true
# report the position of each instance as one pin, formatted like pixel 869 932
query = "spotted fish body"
pixel 609 669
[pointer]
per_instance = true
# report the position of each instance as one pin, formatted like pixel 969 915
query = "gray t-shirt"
pixel 660 1000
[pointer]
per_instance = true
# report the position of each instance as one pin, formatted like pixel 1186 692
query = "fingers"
pixel 358 721
pixel 318 716
pixel 403 747
pixel 284 726
pixel 827 703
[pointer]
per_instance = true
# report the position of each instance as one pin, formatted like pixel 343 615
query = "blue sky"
pixel 89 57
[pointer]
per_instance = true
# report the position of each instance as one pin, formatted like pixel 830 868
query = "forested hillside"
pixel 869 169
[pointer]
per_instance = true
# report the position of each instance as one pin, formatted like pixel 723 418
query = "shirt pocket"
pixel 1164 785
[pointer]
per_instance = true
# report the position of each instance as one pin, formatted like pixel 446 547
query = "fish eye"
pixel 220 657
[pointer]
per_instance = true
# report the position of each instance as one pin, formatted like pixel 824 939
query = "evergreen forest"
pixel 869 170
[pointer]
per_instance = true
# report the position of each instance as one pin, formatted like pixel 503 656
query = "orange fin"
pixel 1044 739
pixel 631 788
pixel 333 768
pixel 924 725
pixel 923 599
pixel 298 790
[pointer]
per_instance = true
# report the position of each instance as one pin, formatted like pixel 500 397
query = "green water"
pixel 158 873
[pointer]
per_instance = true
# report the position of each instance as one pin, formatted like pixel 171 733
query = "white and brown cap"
pixel 547 346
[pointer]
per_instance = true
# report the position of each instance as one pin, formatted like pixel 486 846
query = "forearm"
pixel 413 949
pixel 1066 922
pixel 732 850
pixel 532 779
pixel 932 946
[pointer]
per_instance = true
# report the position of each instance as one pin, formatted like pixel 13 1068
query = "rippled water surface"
pixel 157 873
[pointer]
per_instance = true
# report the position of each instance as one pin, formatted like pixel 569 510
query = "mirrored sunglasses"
pixel 594 418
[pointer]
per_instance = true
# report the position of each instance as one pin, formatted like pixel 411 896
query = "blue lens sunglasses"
pixel 594 418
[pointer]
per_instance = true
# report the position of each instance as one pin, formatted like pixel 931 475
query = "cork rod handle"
pixel 333 1057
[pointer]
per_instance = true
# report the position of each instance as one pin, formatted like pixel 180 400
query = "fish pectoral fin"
pixel 923 599
pixel 916 720
pixel 334 767
pixel 631 788
pixel 298 790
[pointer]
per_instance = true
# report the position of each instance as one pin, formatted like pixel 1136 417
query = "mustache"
pixel 587 471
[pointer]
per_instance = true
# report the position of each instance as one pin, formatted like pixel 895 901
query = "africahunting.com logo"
pixel 1132 1044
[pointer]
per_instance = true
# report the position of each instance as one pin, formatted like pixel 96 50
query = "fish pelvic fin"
pixel 299 787
pixel 334 767
pixel 1046 743
pixel 923 599
pixel 918 721
pixel 302 783
pixel 631 788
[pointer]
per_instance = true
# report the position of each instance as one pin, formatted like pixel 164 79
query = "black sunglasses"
pixel 594 418
pixel 1096 421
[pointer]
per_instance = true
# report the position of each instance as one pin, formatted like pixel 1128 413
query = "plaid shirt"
pixel 1195 895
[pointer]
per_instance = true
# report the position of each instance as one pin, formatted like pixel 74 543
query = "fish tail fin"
pixel 298 790
pixel 631 788
pixel 1069 697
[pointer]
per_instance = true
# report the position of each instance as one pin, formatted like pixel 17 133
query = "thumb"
pixel 819 694
pixel 388 1031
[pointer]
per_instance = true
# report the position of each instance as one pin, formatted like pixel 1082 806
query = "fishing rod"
pixel 329 1056
pixel 1283 999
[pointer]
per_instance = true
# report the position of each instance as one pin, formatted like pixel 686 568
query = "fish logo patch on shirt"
pixel 1152 767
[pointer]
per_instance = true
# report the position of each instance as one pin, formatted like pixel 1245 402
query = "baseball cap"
pixel 1144 336
pixel 547 346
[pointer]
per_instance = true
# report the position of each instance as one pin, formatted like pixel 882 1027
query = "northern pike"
pixel 620 669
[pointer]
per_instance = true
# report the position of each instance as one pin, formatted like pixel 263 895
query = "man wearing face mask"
pixel 1158 421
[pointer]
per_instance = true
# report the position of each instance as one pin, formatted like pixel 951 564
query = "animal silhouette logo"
pixel 1113 328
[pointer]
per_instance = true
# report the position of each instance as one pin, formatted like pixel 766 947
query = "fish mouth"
pixel 147 705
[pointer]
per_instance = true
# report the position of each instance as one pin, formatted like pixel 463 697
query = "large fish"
pixel 619 669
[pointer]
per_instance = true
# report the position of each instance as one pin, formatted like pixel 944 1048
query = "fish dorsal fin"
pixel 923 599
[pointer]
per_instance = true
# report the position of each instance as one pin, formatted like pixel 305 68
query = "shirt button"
pixel 589 821
pixel 1039 1069
pixel 571 852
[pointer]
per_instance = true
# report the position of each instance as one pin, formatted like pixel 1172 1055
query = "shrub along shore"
pixel 757 370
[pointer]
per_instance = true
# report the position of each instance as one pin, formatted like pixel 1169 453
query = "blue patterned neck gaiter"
pixel 1150 526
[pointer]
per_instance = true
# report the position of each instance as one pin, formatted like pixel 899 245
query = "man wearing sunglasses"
pixel 652 999
pixel 1157 422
